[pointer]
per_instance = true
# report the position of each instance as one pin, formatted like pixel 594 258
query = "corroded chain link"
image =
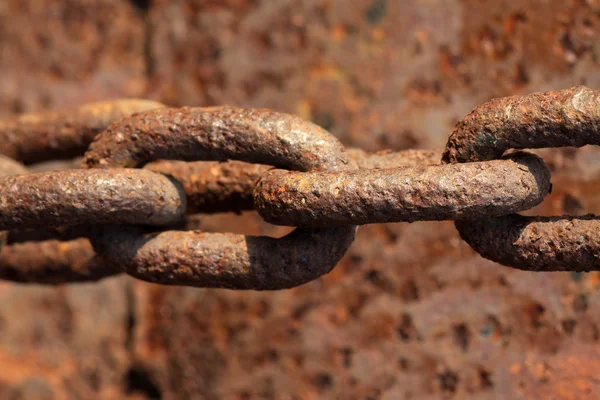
pixel 145 166
pixel 554 119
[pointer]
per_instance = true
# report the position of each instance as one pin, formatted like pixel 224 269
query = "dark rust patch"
pixel 213 187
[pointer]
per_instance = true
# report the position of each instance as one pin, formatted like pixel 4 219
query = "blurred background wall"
pixel 411 312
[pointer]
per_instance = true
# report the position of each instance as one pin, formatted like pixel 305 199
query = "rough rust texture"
pixel 49 262
pixel 411 311
pixel 65 53
pixel 395 317
pixel 46 332
pixel 392 159
pixel 52 262
pixel 218 134
pixel 57 255
pixel 438 311
pixel 72 197
pixel 212 186
pixel 9 167
pixel 352 70
pixel 228 187
pixel 568 117
pixel 224 260
pixel 536 243
pixel 425 193
pixel 67 133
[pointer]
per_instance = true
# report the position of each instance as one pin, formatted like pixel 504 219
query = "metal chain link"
pixel 554 119
pixel 84 224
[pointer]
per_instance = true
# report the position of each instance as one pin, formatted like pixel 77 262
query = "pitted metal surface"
pixel 332 190
pixel 567 118
pixel 222 133
pixel 422 193
pixel 73 197
pixel 411 311
pixel 218 134
pixel 536 243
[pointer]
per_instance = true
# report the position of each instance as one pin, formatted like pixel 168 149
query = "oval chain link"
pixel 553 119
pixel 220 260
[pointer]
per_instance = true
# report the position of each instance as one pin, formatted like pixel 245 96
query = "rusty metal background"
pixel 378 74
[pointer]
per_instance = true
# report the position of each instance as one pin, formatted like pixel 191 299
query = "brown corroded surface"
pixel 217 134
pixel 396 319
pixel 564 118
pixel 420 193
pixel 214 186
pixel 64 342
pixel 228 186
pixel 536 243
pixel 378 73
pixel 223 260
pixel 411 312
pixel 64 53
pixel 78 196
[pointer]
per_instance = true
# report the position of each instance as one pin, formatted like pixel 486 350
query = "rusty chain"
pixel 145 166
